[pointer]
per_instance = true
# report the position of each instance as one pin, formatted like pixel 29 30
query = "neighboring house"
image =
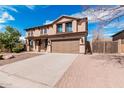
pixel 64 35
pixel 118 35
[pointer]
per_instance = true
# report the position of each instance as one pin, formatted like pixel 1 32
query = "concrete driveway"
pixel 41 71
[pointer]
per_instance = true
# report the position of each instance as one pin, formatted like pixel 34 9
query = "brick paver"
pixel 86 72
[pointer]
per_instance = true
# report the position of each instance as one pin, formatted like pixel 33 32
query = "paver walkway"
pixel 41 71
pixel 87 72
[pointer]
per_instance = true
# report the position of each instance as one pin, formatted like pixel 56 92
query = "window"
pixel 31 43
pixel 31 33
pixel 28 33
pixel 45 31
pixel 59 27
pixel 69 27
pixel 41 32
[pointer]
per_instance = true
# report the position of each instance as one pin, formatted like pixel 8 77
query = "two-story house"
pixel 64 35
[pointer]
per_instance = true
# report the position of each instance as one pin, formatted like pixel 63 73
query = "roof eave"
pixel 117 33
pixel 55 22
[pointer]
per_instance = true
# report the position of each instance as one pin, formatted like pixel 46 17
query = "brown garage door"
pixel 65 46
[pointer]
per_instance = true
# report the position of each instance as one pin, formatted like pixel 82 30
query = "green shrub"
pixel 18 48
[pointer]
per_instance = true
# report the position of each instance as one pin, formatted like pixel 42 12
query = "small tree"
pixel 97 35
pixel 10 37
pixel 1 41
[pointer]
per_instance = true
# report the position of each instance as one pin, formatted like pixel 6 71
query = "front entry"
pixel 43 45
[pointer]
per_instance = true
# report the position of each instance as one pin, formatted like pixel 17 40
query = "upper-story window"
pixel 45 31
pixel 41 31
pixel 69 27
pixel 28 33
pixel 31 33
pixel 59 27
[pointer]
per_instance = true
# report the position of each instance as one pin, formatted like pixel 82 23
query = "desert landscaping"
pixel 94 71
pixel 8 58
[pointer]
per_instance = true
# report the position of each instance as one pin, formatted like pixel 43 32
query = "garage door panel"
pixel 66 46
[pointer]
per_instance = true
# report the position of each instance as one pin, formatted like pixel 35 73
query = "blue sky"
pixel 22 17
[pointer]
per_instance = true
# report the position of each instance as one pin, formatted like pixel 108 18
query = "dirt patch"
pixel 18 57
pixel 115 59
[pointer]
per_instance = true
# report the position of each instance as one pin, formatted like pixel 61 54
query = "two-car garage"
pixel 65 46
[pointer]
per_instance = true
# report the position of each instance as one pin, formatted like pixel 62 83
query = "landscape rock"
pixel 10 56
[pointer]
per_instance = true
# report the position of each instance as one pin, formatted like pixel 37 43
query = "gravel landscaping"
pixel 18 57
pixel 94 71
pixel 117 60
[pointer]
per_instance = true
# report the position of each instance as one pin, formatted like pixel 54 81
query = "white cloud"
pixel 11 8
pixel 104 13
pixel 108 34
pixel 47 22
pixel 30 7
pixel 3 8
pixel 22 38
pixel 5 16
pixel 117 25
pixel 87 13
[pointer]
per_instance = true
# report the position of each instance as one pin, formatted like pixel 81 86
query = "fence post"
pixel 104 46
pixel 91 45
pixel 119 46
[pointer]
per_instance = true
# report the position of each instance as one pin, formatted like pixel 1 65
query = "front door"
pixel 43 45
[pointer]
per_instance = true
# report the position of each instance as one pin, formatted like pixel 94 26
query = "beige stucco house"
pixel 64 35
